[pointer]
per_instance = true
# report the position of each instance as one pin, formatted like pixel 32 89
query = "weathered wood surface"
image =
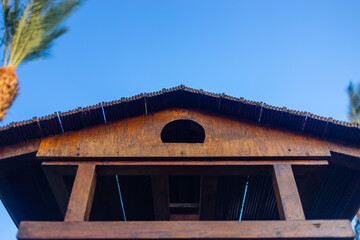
pixel 140 137
pixel 19 149
pixel 344 148
pixel 187 230
pixel 160 188
pixel 197 162
pixel 184 217
pixel 195 167
pixel 82 194
pixel 286 193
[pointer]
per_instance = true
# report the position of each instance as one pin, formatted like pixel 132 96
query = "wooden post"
pixel 208 192
pixel 160 189
pixel 82 193
pixel 287 195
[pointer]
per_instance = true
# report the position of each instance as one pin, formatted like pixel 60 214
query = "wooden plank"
pixel 344 148
pixel 186 230
pixel 182 162
pixel 196 167
pixel 287 195
pixel 160 189
pixel 19 149
pixel 238 138
pixel 58 187
pixel 184 217
pixel 208 193
pixel 184 205
pixel 82 194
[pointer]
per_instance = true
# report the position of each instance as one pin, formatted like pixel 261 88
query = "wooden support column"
pixel 160 189
pixel 82 193
pixel 208 192
pixel 287 195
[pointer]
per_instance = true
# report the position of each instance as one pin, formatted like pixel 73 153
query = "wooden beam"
pixel 186 230
pixel 82 194
pixel 344 148
pixel 19 149
pixel 193 162
pixel 287 195
pixel 208 192
pixel 58 187
pixel 160 189
pixel 181 167
pixel 184 217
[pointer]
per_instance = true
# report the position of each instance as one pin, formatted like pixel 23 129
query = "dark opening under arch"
pixel 183 131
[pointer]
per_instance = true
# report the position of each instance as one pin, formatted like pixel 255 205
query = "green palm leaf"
pixel 30 30
pixel 354 110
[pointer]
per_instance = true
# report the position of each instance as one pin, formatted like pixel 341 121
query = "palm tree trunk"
pixel 8 89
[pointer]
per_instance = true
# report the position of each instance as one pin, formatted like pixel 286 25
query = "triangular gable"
pixel 140 137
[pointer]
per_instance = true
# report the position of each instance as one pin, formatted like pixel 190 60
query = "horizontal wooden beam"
pixel 186 230
pixel 19 149
pixel 174 167
pixel 207 162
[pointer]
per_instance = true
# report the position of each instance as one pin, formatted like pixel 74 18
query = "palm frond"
pixel 354 108
pixel 43 50
pixel 14 45
pixel 30 31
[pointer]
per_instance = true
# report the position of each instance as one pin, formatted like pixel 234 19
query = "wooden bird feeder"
pixel 181 164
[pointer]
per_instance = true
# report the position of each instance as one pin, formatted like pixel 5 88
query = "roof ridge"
pixel 178 96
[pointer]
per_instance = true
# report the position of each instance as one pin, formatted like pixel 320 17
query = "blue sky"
pixel 299 54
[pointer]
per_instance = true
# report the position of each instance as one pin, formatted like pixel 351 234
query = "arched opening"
pixel 183 131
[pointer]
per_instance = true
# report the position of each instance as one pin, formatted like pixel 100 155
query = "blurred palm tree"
pixel 29 28
pixel 354 94
pixel 357 228
pixel 354 115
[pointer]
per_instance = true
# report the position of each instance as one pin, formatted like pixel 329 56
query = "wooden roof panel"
pixel 182 97
pixel 140 137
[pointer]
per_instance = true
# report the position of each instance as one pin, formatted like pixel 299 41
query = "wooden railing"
pixel 292 225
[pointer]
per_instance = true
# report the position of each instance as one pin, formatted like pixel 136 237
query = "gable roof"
pixel 183 97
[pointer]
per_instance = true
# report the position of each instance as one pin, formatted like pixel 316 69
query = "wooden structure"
pixel 181 164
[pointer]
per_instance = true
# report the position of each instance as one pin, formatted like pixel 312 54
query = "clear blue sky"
pixel 299 54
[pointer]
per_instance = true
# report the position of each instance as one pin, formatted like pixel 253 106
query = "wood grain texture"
pixel 19 149
pixel 186 230
pixel 344 148
pixel 287 195
pixel 82 194
pixel 184 217
pixel 140 137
